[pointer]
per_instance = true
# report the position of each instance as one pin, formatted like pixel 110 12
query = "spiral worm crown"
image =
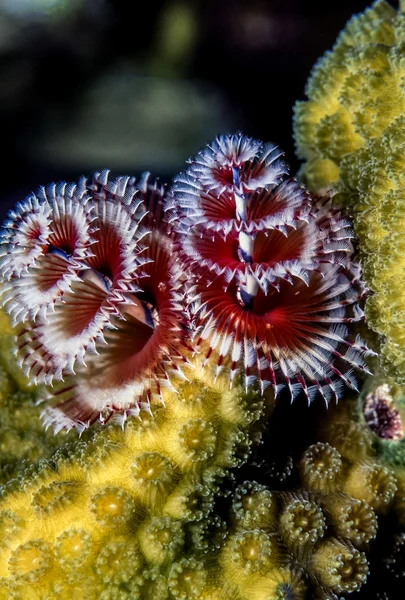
pixel 275 286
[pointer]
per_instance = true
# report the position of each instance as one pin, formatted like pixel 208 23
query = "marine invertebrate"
pixel 236 256
pixel 274 281
pixel 121 309
pixel 350 133
pixel 246 555
pixel 321 467
pixel 272 296
pixel 340 566
pixel 312 542
pixel 252 506
pixel 23 439
pixel 351 518
pixel 302 522
pixel 138 523
pixel 43 244
pixel 381 415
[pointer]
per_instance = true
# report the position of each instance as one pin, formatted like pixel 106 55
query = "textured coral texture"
pixel 135 513
pixel 361 434
pixel 23 440
pixel 112 518
pixel 314 536
pixel 226 297
pixel 350 132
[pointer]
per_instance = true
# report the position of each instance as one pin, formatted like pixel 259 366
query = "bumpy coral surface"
pixel 350 131
pixel 151 512
pixel 274 283
pixel 129 514
pixel 333 526
pixel 368 429
pixel 23 439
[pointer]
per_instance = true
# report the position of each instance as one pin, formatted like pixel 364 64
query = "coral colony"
pixel 121 281
pixel 182 322
pixel 350 132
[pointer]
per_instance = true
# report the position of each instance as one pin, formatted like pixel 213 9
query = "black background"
pixel 246 62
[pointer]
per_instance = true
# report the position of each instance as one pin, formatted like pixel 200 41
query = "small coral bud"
pixel 187 579
pixel 150 584
pixel 321 467
pixel 195 444
pixel 373 483
pixel 10 525
pixel 281 583
pixel 240 407
pixel 118 561
pixel 246 556
pixel 351 439
pixel 253 506
pixel 113 505
pixel 208 534
pixel 302 523
pixel 190 500
pixel 195 399
pixel 234 447
pixel 351 519
pixel 73 548
pixel 30 561
pixel 160 539
pixel 55 496
pixel 339 566
pixel 153 477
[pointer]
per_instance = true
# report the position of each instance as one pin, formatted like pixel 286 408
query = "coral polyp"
pixel 274 279
pixel 340 566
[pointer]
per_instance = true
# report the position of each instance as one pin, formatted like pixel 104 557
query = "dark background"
pixel 133 86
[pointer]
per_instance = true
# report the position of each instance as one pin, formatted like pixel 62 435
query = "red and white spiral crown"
pixel 146 337
pixel 274 281
pixel 43 246
pixel 112 278
pixel 51 345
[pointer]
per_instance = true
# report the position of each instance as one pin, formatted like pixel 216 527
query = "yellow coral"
pixel 117 509
pixel 23 439
pixel 366 435
pixel 350 131
pixel 339 566
pixel 120 517
pixel 286 543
